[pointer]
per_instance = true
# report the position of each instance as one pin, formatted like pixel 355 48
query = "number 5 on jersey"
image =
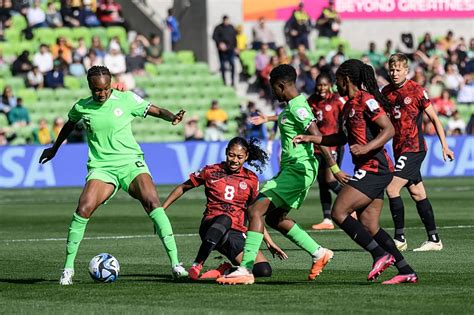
pixel 229 192
pixel 401 163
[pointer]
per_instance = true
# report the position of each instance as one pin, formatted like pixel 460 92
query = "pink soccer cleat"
pixel 410 278
pixel 380 266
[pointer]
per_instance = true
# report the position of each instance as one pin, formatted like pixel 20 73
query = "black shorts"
pixel 370 184
pixel 231 244
pixel 408 166
pixel 337 155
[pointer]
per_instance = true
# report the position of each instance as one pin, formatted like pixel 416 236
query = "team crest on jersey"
pixel 243 185
pixel 328 107
pixel 425 94
pixel 118 112
pixel 283 120
pixel 352 113
pixel 407 100
pixel 372 104
pixel 302 113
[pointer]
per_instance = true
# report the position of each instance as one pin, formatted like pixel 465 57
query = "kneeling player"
pixel 230 188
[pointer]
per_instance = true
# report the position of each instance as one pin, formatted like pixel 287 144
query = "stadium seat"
pixel 151 68
pixel 63 31
pixel 323 43
pixel 44 35
pixel 3 121
pixel 169 57
pixel 101 33
pixel 84 32
pixel 28 95
pixel 185 56
pixel 71 82
pixel 12 35
pixel 45 94
pixel 16 83
pixel 19 22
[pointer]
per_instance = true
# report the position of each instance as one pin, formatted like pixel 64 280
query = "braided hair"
pixel 97 71
pixel 363 76
pixel 324 75
pixel 284 73
pixel 257 158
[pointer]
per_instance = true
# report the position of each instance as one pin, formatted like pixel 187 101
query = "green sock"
pixel 251 248
pixel 74 238
pixel 165 232
pixel 302 239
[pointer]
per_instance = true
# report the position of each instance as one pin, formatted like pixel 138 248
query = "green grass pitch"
pixel 33 225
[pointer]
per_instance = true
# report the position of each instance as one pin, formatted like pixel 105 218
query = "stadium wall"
pixel 171 163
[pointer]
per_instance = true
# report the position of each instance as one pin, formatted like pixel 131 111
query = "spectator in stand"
pixel 92 60
pixel 224 36
pixel 452 80
pixel 115 60
pixel 191 130
pixel 419 76
pixel 135 60
pixel 213 132
pixel 36 16
pixel 43 59
pixel 261 61
pixel 22 64
pixel 283 58
pixel 427 42
pixel 241 39
pixel 173 26
pixel 71 14
pixel 110 14
pixel 339 51
pixel 88 17
pixel 76 68
pixel 65 47
pixel 329 22
pixel 42 134
pixel 470 125
pixel 216 114
pixel 309 81
pixel 61 64
pixel 448 42
pixel 265 77
pixel 262 35
pixel 5 16
pixel 81 50
pixel 443 104
pixel 376 59
pixel 298 27
pixel 18 116
pixel 58 124
pixel 388 51
pixel 97 47
pixel 53 17
pixel 54 79
pixel 34 78
pixel 300 61
pixel 154 50
pixel 8 100
pixel 456 125
pixel 253 131
pixel 406 45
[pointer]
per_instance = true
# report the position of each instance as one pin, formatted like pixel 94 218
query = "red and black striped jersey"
pixel 406 113
pixel 328 114
pixel 227 193
pixel 359 115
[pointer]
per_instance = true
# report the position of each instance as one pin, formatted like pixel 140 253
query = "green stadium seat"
pixel 8 50
pixel 12 35
pixel 199 68
pixel 151 68
pixel 45 94
pixel 101 33
pixel 71 82
pixel 45 35
pixel 64 32
pixel 323 43
pixel 185 56
pixel 169 57
pixel 28 95
pixel 84 32
pixel 118 31
pixel 19 22
pixel 3 121
pixel 336 41
pixel 30 46
pixel 16 83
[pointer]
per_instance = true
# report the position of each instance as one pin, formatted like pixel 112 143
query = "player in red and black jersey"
pixel 366 128
pixel 327 109
pixel 408 101
pixel 230 188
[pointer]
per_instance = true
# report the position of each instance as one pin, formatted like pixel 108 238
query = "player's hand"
pixel 448 154
pixel 118 86
pixel 275 250
pixel 301 139
pixel 178 117
pixel 258 120
pixel 47 155
pixel 342 177
pixel 358 149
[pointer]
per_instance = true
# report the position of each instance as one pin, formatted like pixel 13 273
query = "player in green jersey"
pixel 298 171
pixel 115 161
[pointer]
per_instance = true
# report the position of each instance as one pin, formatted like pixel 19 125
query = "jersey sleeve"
pixel 373 110
pixel 74 115
pixel 198 178
pixel 139 105
pixel 423 99
pixel 303 115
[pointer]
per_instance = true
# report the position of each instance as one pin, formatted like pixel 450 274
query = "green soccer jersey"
pixel 109 129
pixel 292 121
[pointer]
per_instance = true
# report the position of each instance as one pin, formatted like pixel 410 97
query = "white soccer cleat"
pixel 240 276
pixel 429 246
pixel 179 272
pixel 401 246
pixel 66 276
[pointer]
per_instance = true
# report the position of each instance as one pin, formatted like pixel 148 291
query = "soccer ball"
pixel 104 268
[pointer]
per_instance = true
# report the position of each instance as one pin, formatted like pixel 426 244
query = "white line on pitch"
pixel 119 237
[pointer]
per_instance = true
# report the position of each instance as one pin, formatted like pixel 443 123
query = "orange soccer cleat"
pixel 319 264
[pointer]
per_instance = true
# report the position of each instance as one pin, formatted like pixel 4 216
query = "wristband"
pixel 335 169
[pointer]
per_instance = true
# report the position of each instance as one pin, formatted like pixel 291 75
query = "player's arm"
pixel 447 153
pixel 332 140
pixel 165 114
pixel 177 192
pixel 261 119
pixel 386 133
pixel 272 247
pixel 49 153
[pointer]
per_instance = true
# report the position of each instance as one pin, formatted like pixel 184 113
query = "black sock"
pixel 387 243
pixel 398 216
pixel 335 186
pixel 213 236
pixel 425 211
pixel 262 269
pixel 356 231
pixel 326 199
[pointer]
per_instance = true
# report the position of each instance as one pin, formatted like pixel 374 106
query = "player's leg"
pixel 95 192
pixel 397 210
pixel 143 189
pixel 369 218
pixel 222 61
pixel 425 211
pixel 326 202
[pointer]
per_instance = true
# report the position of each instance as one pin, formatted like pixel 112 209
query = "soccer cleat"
pixel 325 225
pixel 380 266
pixel 66 276
pixel 429 246
pixel 319 264
pixel 240 276
pixel 178 271
pixel 401 246
pixel 194 271
pixel 410 278
pixel 218 272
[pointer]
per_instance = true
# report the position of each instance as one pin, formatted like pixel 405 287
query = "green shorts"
pixel 290 187
pixel 121 175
